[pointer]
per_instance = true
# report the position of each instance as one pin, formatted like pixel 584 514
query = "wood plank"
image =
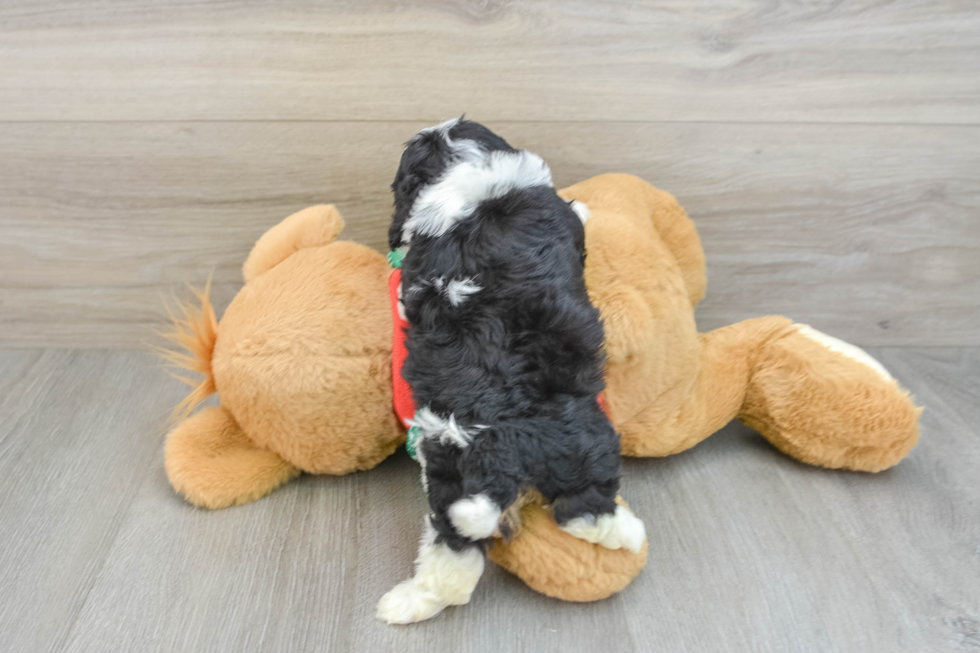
pixel 797 558
pixel 78 431
pixel 749 549
pixel 946 380
pixel 735 60
pixel 868 232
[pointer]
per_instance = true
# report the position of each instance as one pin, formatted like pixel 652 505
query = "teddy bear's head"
pixel 305 347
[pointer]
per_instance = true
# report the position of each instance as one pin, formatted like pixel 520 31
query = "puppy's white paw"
pixel 619 530
pixel 628 531
pixel 443 577
pixel 476 517
pixel 407 603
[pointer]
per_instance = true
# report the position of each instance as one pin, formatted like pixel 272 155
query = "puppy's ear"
pixel 425 158
pixel 405 185
pixel 404 189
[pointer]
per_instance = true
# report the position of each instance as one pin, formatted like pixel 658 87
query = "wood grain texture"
pixel 871 233
pixel 78 432
pixel 731 60
pixel 749 550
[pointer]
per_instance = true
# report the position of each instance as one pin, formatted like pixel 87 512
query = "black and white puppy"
pixel 504 358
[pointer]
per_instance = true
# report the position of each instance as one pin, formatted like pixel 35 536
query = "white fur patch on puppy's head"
pixel 463 149
pixel 457 193
pixel 442 128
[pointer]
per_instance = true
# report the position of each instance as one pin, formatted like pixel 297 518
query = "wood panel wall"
pixel 829 151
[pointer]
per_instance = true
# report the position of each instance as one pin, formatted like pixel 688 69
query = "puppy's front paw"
pixel 407 603
pixel 619 530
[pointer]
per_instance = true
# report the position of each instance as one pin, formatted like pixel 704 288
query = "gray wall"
pixel 829 153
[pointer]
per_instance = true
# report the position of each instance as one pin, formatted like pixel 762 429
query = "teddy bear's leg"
pixel 713 396
pixel 829 403
pixel 555 563
pixel 814 397
pixel 214 465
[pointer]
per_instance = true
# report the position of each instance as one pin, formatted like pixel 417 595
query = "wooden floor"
pixel 749 550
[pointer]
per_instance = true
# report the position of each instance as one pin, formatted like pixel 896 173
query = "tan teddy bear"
pixel 301 361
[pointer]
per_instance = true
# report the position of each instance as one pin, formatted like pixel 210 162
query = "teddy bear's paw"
pixel 408 603
pixel 619 530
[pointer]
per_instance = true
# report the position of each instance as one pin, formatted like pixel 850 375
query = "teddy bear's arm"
pixel 678 233
pixel 650 210
pixel 215 465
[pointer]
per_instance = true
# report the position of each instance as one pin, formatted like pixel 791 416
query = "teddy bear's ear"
pixel 312 227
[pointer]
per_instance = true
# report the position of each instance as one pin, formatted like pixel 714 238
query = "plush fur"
pixel 211 461
pixel 301 361
pixel 560 565
pixel 669 387
pixel 508 379
pixel 312 321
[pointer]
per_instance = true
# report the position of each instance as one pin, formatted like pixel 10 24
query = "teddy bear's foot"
pixel 215 465
pixel 619 530
pixel 816 398
pixel 557 564
pixel 829 403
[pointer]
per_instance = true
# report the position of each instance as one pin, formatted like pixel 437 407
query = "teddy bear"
pixel 302 363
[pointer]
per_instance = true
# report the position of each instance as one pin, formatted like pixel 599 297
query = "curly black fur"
pixel 517 364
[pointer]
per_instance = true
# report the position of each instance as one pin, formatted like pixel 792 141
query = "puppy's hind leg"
pixel 451 557
pixel 591 518
pixel 583 495
pixel 443 577
pixel 491 473
pixel 468 488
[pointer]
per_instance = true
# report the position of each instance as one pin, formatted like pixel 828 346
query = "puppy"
pixel 504 358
